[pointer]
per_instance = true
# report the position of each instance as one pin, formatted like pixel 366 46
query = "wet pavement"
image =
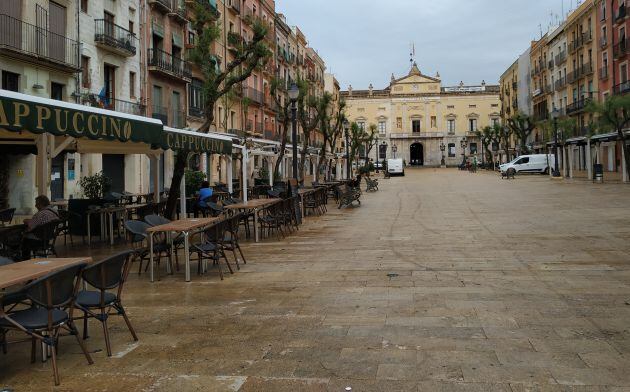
pixel 441 281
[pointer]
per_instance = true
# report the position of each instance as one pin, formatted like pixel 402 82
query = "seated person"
pixel 45 214
pixel 204 194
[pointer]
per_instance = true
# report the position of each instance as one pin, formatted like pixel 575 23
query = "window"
pixel 522 161
pixel 415 126
pixel 433 122
pixel 472 124
pixel 10 81
pixel 399 122
pixel 132 84
pixel 451 150
pixel 361 125
pixel 56 91
pixel 85 72
pixel 382 151
pixel 84 6
pixel 473 148
pixel 494 105
pixel 450 124
pixel 110 84
pixel 472 106
pixel 131 26
pixel 232 118
pixel 382 127
pixel 494 122
pixel 450 106
pixel 623 73
pixel 603 10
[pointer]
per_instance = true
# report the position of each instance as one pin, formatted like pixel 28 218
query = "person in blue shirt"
pixel 204 193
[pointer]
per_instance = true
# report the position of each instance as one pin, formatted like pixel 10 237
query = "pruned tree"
pixel 370 141
pixel 522 127
pixel 614 115
pixel 488 135
pixel 504 136
pixel 217 82
pixel 334 130
pixel 310 112
pixel 283 110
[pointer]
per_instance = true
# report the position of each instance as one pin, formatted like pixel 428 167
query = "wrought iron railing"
pixel 125 106
pixel 111 34
pixel 168 63
pixel 622 88
pixel 38 42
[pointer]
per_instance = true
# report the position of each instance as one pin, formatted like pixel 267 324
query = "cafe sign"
pixel 194 142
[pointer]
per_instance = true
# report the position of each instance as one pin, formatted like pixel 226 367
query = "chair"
pixel 11 242
pixel 137 230
pixel 43 245
pixel 107 274
pixel 177 242
pixel 6 216
pixel 64 226
pixel 53 297
pixel 230 239
pixel 212 248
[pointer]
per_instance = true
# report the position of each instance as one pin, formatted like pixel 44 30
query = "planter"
pixel 78 223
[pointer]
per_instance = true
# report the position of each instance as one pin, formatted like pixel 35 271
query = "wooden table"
pixel 184 226
pixel 254 205
pixel 18 273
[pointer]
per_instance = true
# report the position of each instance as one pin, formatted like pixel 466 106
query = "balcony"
pixel 587 37
pixel 561 57
pixel 178 11
pixel 622 88
pixel 169 65
pixel 124 106
pixel 196 112
pixel 160 113
pixel 514 85
pixel 621 14
pixel 586 70
pixel 578 106
pixel 235 6
pixel 620 49
pixel 541 116
pixel 603 42
pixel 248 15
pixel 115 38
pixel 603 73
pixel 550 64
pixel 573 76
pixel 178 119
pixel 253 94
pixel 576 44
pixel 560 83
pixel 32 43
pixel 259 128
pixel 163 6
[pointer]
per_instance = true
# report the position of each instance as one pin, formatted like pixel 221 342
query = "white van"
pixel 537 163
pixel 395 167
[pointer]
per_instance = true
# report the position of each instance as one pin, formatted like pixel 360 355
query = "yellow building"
pixel 421 121
pixel 509 92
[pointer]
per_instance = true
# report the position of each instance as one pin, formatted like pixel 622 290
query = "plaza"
pixel 441 281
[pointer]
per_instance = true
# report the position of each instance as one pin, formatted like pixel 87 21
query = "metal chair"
pixel 137 230
pixel 177 242
pixel 6 216
pixel 43 245
pixel 212 248
pixel 53 297
pixel 230 239
pixel 107 274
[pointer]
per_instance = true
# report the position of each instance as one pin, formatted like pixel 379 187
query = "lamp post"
pixel 443 148
pixel 463 144
pixel 294 93
pixel 346 129
pixel 376 144
pixel 394 149
pixel 555 113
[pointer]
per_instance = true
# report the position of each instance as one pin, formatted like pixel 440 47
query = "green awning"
pixel 21 112
pixel 178 139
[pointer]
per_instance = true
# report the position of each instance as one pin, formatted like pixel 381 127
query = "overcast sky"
pixel 364 41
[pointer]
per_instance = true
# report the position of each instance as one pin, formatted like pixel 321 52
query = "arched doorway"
pixel 416 154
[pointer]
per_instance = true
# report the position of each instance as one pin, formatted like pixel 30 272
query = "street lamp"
pixel 294 93
pixel 443 148
pixel 346 129
pixel 394 149
pixel 463 144
pixel 376 144
pixel 555 113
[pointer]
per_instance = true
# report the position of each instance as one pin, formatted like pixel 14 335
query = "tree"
pixel 521 126
pixel 614 114
pixel 488 135
pixel 334 129
pixel 283 117
pixel 310 113
pixel 358 138
pixel 217 82
pixel 504 134
pixel 370 141
pixel 330 123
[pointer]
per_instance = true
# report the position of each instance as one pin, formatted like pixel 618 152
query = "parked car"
pixel 395 167
pixel 536 163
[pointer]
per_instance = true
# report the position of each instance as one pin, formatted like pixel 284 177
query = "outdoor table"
pixel 18 273
pixel 130 208
pixel 254 206
pixel 60 204
pixel 108 212
pixel 184 226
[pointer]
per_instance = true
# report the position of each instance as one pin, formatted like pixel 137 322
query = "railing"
pixel 110 34
pixel 622 88
pixel 573 76
pixel 178 9
pixel 168 63
pixel 586 69
pixel 259 127
pixel 235 5
pixel 560 83
pixel 164 5
pixel 514 86
pixel 541 116
pixel 550 64
pixel 578 106
pixel 161 113
pixel 603 73
pixel 196 112
pixel 621 14
pixel 253 94
pixel 38 42
pixel 248 13
pixel 603 42
pixel 561 57
pixel 124 106
pixel 587 37
pixel 620 49
pixel 576 44
pixel 178 120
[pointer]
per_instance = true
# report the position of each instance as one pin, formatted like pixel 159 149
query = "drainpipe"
pixel 77 83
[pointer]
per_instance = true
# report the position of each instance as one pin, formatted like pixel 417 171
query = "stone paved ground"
pixel 501 286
